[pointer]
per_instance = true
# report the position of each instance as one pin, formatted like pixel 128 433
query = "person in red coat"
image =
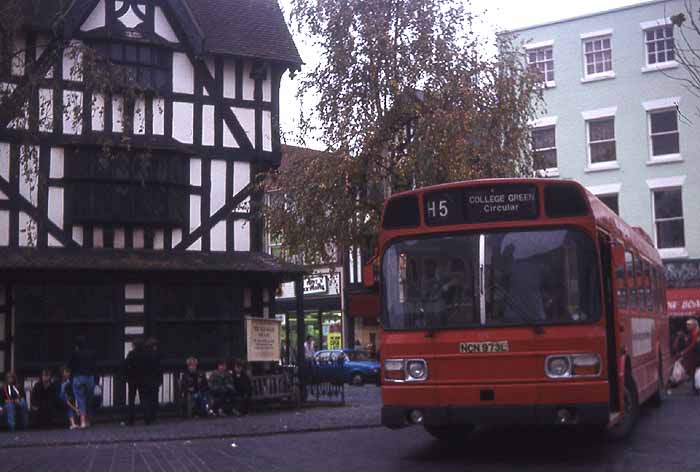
pixel 689 355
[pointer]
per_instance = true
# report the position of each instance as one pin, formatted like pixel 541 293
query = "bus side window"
pixel 647 285
pixel 621 286
pixel 629 275
pixel 654 306
pixel 639 278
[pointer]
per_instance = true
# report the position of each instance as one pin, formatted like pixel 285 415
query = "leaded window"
pixel 128 189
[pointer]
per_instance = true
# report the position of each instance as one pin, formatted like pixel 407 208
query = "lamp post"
pixel 302 367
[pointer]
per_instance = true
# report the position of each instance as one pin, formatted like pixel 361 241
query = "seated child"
pixel 67 396
pixel 193 384
pixel 221 388
pixel 15 403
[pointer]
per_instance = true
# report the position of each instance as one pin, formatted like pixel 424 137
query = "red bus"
pixel 517 301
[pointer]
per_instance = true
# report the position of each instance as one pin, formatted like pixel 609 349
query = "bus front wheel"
pixel 450 433
pixel 622 429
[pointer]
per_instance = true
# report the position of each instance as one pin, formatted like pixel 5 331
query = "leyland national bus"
pixel 517 301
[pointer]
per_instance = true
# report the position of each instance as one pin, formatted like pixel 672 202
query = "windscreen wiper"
pixel 518 307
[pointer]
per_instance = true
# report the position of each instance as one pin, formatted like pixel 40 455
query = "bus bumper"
pixel 395 417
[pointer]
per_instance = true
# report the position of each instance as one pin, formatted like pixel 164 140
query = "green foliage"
pixel 389 67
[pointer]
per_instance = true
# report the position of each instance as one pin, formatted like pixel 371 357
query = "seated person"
pixel 44 399
pixel 67 397
pixel 221 388
pixel 15 403
pixel 195 389
pixel 243 386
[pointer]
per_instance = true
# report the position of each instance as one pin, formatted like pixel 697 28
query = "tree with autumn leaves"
pixel 408 95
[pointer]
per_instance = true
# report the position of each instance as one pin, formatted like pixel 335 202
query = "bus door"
pixel 614 297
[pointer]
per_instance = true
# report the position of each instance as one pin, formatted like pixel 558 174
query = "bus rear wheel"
pixel 631 414
pixel 450 433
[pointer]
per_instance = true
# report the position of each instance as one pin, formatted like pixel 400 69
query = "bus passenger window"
pixel 654 289
pixel 647 286
pixel 621 286
pixel 639 277
pixel 631 285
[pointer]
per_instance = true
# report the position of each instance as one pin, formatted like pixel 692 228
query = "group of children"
pixel 47 397
pixel 224 392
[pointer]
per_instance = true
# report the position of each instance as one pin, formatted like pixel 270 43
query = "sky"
pixel 495 14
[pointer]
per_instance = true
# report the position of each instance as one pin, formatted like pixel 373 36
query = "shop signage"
pixel 334 341
pixel 315 284
pixel 683 302
pixel 262 339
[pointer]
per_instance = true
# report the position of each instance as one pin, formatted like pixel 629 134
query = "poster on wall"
pixel 335 341
pixel 262 339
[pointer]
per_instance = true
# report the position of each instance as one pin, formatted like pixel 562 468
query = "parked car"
pixel 357 367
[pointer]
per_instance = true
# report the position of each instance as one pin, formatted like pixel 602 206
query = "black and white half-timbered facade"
pixel 158 238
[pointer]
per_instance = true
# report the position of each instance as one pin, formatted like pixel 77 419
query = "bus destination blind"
pixel 481 204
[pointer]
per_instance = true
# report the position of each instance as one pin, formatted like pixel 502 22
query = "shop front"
pixel 323 316
pixel 683 293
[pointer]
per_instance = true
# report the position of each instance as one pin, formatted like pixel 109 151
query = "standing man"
pixel 152 379
pixel 309 349
pixel 134 366
pixel 82 364
pixel 44 399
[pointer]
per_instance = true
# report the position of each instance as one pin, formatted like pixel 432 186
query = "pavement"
pixel 665 440
pixel 361 410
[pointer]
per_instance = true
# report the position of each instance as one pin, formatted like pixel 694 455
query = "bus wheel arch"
pixel 660 395
pixel 630 413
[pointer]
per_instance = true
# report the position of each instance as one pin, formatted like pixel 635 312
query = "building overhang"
pixel 117 260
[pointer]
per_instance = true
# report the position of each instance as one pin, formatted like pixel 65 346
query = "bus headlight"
pixel 416 370
pixel 573 365
pixel 557 367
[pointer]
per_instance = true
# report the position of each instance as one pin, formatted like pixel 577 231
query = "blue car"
pixel 357 366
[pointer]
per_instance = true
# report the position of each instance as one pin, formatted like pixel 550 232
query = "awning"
pixel 147 260
pixel 683 301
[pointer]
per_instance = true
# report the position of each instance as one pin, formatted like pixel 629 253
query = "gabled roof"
pixel 245 28
pixel 248 28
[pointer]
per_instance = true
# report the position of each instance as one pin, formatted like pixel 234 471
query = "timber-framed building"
pixel 105 249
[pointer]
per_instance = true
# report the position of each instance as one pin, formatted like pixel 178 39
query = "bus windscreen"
pixel 504 278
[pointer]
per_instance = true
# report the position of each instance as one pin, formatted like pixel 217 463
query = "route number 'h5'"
pixel 441 208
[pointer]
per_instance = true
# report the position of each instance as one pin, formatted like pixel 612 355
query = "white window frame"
pixel 592 36
pixel 549 171
pixel 661 184
pixel 597 115
pixel 654 24
pixel 531 47
pixel 660 105
pixel 606 191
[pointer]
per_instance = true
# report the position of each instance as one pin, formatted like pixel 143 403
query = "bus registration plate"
pixel 484 347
